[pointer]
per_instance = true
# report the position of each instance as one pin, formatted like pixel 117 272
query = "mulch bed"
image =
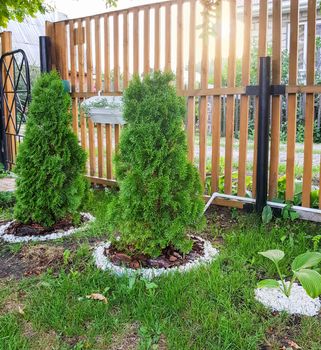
pixel 19 229
pixel 170 257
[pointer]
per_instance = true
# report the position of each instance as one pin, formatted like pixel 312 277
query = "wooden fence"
pixel 102 52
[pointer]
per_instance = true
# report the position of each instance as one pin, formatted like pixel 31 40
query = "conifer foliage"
pixel 160 191
pixel 50 163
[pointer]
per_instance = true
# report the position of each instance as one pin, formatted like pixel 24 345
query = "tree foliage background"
pixel 17 10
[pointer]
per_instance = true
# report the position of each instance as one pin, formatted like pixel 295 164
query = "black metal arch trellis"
pixel 15 93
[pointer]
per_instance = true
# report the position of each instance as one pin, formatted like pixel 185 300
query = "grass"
pixel 211 308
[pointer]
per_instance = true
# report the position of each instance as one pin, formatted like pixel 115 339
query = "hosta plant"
pixel 302 269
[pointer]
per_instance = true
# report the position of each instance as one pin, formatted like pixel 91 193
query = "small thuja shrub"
pixel 50 163
pixel 160 194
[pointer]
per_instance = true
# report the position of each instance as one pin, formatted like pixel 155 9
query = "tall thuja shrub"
pixel 160 192
pixel 50 163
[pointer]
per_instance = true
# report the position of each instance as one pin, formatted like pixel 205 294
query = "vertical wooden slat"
pixel 179 65
pixel 216 114
pixel 276 100
pixel 106 54
pixel 72 56
pixel 167 37
pixel 263 15
pixel 117 136
pixel 92 155
pixel 80 41
pixel 9 111
pixel 203 104
pixel 309 107
pixel 116 71
pixel 230 101
pixel 98 88
pixel 50 31
pixel 157 40
pixel 244 104
pixel 61 52
pixel 191 83
pixel 146 40
pixel 75 115
pixel 83 129
pixel 100 150
pixel 136 42
pixel 292 100
pixel 98 53
pixel 108 156
pixel 116 53
pixel 125 44
pixel 108 151
pixel 89 60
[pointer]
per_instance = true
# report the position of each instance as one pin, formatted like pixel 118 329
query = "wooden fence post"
pixel 6 46
pixel 50 31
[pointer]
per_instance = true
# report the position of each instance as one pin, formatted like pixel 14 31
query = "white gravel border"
pixel 297 303
pixel 54 235
pixel 103 263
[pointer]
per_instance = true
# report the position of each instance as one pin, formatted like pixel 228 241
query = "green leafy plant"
pixel 160 192
pixel 66 256
pixel 267 214
pixel 50 163
pixel 316 242
pixel 7 199
pixel 288 213
pixel 149 337
pixel 3 172
pixel 302 270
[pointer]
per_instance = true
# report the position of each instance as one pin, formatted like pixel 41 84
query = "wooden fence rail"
pixel 102 52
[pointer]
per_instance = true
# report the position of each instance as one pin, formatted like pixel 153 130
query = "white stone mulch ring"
pixel 10 238
pixel 297 303
pixel 103 263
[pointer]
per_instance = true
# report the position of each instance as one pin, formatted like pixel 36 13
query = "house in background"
pixel 303 32
pixel 25 35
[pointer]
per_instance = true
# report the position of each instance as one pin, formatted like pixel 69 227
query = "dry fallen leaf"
pixel 97 296
pixel 20 310
pixel 292 344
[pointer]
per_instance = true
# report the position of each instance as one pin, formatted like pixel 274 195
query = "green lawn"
pixel 211 308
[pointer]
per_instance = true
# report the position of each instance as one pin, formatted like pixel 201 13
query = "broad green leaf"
pixel 274 254
pixel 268 283
pixel 293 215
pixel 151 285
pixel 267 214
pixel 306 260
pixel 131 282
pixel 314 196
pixel 311 282
pixel 285 213
pixel 298 184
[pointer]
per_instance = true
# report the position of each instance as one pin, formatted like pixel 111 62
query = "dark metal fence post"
pixel 45 54
pixel 263 134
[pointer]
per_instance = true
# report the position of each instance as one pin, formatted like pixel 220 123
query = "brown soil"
pixel 40 257
pixel 31 260
pixel 34 259
pixel 170 257
pixel 126 340
pixel 281 336
pixel 33 229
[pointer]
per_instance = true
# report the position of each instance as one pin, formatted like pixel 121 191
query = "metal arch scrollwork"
pixel 15 95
